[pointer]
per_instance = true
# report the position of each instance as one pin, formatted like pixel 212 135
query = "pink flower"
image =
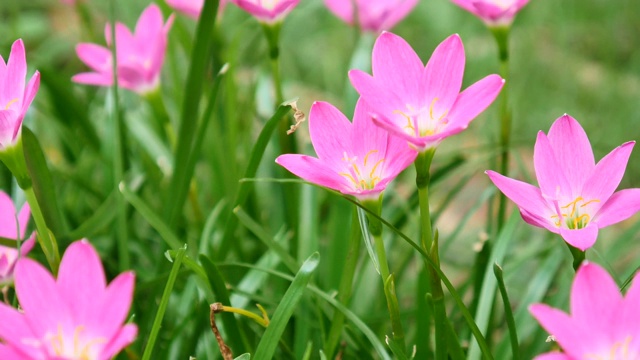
pixel 373 15
pixel 603 324
pixel 493 12
pixel 576 196
pixel 192 8
pixel 15 98
pixel 356 158
pixel 268 11
pixel 76 316
pixel 13 226
pixel 140 55
pixel 422 104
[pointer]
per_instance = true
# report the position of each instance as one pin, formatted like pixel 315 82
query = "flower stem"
pixel 346 284
pixel 501 34
pixel 578 256
pixel 162 123
pixel 47 242
pixel 429 243
pixel 388 282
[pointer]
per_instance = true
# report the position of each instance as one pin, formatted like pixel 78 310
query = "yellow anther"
pixel 10 103
pixel 348 176
pixel 355 168
pixel 573 204
pixel 408 118
pixel 367 156
pixel 431 108
pixel 589 202
pixel 375 167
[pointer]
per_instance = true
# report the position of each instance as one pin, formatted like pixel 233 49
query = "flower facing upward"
pixel 75 317
pixel 356 158
pixel 139 55
pixel 603 325
pixel 267 11
pixel 372 15
pixel 192 8
pixel 12 230
pixel 576 196
pixel 493 12
pixel 15 97
pixel 422 104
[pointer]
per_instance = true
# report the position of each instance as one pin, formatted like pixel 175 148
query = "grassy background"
pixel 571 56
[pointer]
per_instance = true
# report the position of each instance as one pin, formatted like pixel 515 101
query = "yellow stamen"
pixel 409 123
pixel 375 167
pixel 10 103
pixel 367 156
pixel 348 176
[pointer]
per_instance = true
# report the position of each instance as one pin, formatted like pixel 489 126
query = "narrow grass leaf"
pixel 164 301
pixel 243 190
pixel 99 220
pixel 396 348
pixel 42 183
pixel 152 218
pixel 508 313
pixel 269 341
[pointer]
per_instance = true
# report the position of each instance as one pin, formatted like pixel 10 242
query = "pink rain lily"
pixel 192 8
pixel 15 97
pixel 373 15
pixel 140 55
pixel 493 12
pixel 267 11
pixel 576 196
pixel 13 226
pixel 603 324
pixel 423 105
pixel 76 316
pixel 356 158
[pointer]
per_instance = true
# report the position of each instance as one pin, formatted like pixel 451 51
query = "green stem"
pixel 501 35
pixel 47 242
pixel 346 284
pixel 430 245
pixel 118 153
pixel 388 282
pixel 578 256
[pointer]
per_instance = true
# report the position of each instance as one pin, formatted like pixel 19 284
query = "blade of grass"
pixel 164 301
pixel 101 218
pixel 508 313
pixel 152 218
pixel 269 341
pixel 200 56
pixel 243 190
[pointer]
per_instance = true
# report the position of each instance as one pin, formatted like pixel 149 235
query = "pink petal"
pixel 553 356
pixel 441 80
pixel 395 14
pixel 572 149
pixel 526 196
pixel 384 102
pixel 191 8
pixel 550 175
pixel 96 57
pixel 539 221
pixel 7 352
pixel 620 206
pixel 628 315
pixel 467 5
pixel 314 170
pixel 16 73
pixel 397 66
pixel 474 100
pixel 8 226
pixel 13 327
pixel 28 96
pixel 82 278
pixel 580 238
pixel 23 220
pixel 123 338
pixel 149 25
pixel 330 133
pixel 608 173
pixel 594 298
pixel 8 120
pixel 44 305
pixel 114 305
pixel 342 9
pixel 93 79
pixel 574 340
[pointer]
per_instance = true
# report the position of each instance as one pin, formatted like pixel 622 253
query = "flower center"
pixel 77 346
pixel 619 351
pixel 268 4
pixel 366 174
pixel 574 214
pixel 421 125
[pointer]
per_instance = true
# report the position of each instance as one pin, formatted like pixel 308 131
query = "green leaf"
pixel 396 348
pixel 246 356
pixel 508 313
pixel 164 301
pixel 267 346
pixel 152 218
pixel 200 56
pixel 42 183
pixel 101 218
pixel 243 190
pixel 218 285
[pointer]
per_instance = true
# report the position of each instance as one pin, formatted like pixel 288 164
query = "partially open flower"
pixel 192 8
pixel 493 12
pixel 13 226
pixel 267 11
pixel 372 15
